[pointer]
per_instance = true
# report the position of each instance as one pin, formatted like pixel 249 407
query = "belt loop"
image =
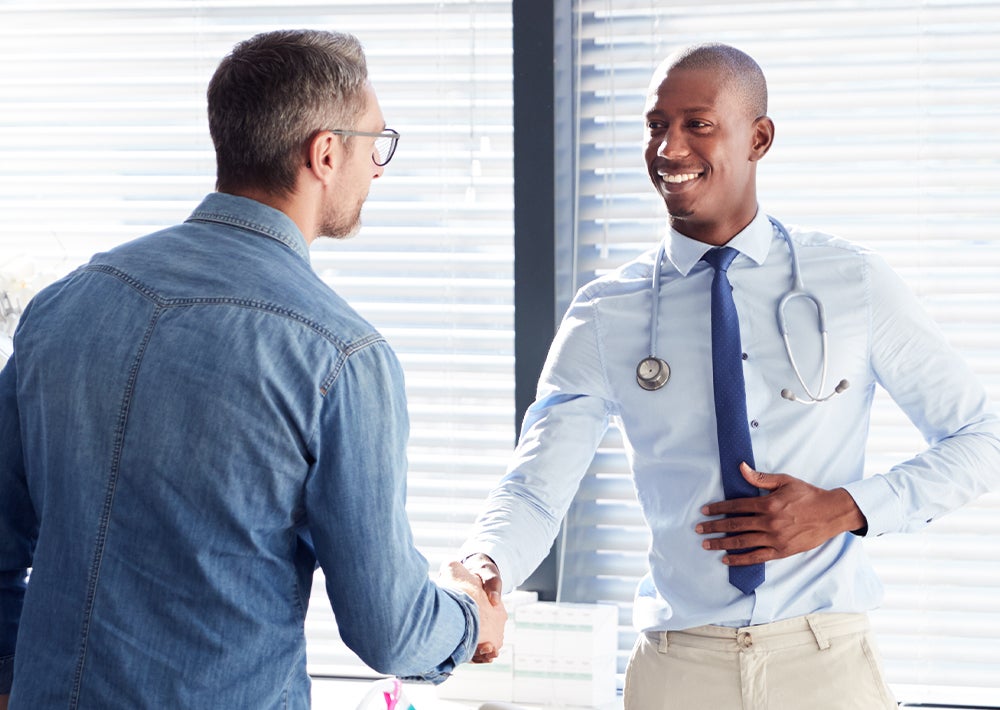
pixel 814 625
pixel 664 642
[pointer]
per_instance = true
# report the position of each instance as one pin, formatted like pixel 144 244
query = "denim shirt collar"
pixel 253 216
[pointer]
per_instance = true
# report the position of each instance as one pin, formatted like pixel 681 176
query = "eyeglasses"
pixel 385 143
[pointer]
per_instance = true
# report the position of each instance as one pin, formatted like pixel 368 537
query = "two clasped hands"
pixel 479 577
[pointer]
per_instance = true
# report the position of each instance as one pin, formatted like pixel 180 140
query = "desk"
pixel 343 694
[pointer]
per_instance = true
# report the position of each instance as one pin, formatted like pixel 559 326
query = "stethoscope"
pixel 653 372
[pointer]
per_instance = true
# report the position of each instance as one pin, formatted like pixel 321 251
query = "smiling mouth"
pixel 678 178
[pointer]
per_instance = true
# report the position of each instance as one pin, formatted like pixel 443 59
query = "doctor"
pixel 765 609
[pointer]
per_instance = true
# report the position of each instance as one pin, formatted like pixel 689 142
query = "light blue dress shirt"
pixel 878 335
pixel 189 424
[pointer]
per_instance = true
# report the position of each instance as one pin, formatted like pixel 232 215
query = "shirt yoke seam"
pixel 346 348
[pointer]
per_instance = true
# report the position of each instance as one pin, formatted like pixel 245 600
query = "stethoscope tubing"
pixel 797 290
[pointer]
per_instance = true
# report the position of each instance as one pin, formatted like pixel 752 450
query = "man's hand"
pixel 793 517
pixel 492 614
pixel 489 574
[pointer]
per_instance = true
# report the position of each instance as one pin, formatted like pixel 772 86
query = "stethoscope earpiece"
pixel 790 396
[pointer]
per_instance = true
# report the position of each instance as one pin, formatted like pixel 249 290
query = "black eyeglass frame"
pixel 388 134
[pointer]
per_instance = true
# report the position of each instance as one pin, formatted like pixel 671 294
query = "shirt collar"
pixel 253 216
pixel 754 241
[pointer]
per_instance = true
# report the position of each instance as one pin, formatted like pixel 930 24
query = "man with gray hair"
pixel 193 421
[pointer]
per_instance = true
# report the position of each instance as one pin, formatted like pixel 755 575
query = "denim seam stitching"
pixel 346 348
pixel 222 218
pixel 346 353
pixel 102 531
pixel 126 278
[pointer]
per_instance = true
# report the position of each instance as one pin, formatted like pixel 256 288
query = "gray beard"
pixel 334 226
pixel 338 231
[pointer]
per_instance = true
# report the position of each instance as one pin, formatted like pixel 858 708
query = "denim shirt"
pixel 188 425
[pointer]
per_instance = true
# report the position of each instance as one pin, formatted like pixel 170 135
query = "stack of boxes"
pixel 553 654
pixel 566 653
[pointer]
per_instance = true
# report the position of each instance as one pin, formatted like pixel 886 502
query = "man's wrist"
pixel 483 558
pixel 854 520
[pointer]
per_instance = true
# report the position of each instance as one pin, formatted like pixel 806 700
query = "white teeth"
pixel 677 179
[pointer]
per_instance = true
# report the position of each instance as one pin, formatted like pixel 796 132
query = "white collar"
pixel 754 241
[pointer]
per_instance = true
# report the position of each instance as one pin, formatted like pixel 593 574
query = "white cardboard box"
pixel 568 630
pixel 553 653
pixel 566 654
pixel 579 681
pixel 482 681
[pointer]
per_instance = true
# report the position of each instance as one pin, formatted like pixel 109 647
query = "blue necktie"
pixel 731 400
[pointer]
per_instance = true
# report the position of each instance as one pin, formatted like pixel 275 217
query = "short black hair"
pixel 737 66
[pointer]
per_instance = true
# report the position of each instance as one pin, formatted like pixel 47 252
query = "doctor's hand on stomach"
pixel 492 614
pixel 794 516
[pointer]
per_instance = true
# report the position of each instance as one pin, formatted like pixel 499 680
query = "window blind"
pixel 104 137
pixel 886 135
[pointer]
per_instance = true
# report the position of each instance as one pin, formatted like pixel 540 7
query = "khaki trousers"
pixel 814 662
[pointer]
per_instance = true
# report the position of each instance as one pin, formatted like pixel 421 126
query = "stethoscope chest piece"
pixel 652 373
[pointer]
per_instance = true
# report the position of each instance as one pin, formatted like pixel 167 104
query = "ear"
pixel 763 137
pixel 323 155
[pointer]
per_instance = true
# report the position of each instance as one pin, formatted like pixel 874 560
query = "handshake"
pixel 479 577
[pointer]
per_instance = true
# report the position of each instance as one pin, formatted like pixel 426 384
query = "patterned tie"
pixel 730 400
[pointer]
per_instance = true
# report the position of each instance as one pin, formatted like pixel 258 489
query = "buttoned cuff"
pixel 879 504
pixel 466 649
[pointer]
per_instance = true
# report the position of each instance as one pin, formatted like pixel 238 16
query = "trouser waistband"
pixel 815 630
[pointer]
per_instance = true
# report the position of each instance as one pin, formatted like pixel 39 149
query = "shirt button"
pixel 755 423
pixel 745 356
